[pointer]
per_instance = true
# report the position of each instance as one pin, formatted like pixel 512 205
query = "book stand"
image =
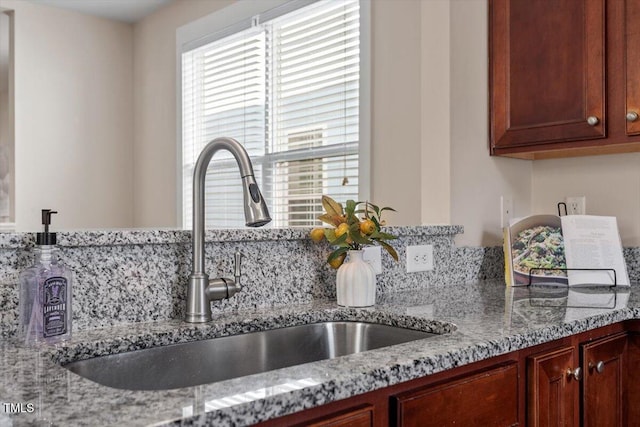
pixel 595 289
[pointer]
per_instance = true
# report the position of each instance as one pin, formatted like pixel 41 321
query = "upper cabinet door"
pixel 632 65
pixel 547 71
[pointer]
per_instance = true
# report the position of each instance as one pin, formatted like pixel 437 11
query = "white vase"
pixel 356 282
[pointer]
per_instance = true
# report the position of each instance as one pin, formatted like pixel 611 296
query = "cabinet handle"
pixel 599 367
pixel 632 116
pixel 593 120
pixel 576 374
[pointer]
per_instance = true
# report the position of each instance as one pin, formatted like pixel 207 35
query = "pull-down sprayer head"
pixel 256 213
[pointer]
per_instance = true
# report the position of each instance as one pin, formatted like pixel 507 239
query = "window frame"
pixel 215 26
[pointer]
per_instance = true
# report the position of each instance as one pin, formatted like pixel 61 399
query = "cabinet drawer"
pixel 357 417
pixel 487 398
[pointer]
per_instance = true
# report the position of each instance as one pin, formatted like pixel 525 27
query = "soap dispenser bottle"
pixel 45 292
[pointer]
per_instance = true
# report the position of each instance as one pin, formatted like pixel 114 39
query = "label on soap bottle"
pixel 54 307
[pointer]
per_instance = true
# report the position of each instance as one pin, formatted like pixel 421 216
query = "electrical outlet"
pixel 373 255
pixel 576 205
pixel 419 258
pixel 506 211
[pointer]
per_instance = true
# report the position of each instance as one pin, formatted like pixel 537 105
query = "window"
pixel 288 89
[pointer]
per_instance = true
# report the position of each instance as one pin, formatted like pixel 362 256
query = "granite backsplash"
pixel 127 276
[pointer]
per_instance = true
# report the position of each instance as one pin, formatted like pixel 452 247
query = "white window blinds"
pixel 288 90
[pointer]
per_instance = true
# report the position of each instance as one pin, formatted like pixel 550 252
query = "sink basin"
pixel 201 362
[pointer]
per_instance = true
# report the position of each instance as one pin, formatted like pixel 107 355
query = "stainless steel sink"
pixel 201 362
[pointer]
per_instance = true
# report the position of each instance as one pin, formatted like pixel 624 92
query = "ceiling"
pixel 129 11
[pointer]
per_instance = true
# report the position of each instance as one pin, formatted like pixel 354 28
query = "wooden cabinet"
pixel 552 389
pixel 358 417
pixel 633 378
pixel 589 379
pixel 366 410
pixel 594 370
pixel 564 77
pixel 632 65
pixel 605 368
pixel 487 398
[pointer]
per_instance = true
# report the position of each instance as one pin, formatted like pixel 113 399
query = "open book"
pixel 578 250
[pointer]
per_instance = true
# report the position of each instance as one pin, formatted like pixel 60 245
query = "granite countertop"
pixel 476 321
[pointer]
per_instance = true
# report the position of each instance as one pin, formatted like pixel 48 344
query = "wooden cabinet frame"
pixel 542 92
pixel 538 371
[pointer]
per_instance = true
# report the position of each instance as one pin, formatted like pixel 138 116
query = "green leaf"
pixel 350 207
pixel 375 221
pixel 386 236
pixel 352 220
pixel 375 235
pixel 330 234
pixel 389 249
pixel 387 209
pixel 335 254
pixel 340 240
pixel 360 239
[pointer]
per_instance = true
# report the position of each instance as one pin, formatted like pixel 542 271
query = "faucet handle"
pixel 223 287
pixel 238 268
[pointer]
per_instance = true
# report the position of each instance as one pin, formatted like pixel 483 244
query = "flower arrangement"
pixel 356 225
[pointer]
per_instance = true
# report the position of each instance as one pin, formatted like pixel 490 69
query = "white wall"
pixel 7 191
pixel 395 108
pixel 6 160
pixel 155 147
pixel 477 180
pixel 435 164
pixel 72 154
pixel 610 183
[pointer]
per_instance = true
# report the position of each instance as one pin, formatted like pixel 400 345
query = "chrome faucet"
pixel 201 291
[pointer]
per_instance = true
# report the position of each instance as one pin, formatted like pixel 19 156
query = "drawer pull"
pixel 632 116
pixel 576 374
pixel 599 367
pixel 593 120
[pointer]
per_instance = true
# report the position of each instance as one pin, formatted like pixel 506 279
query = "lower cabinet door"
pixel 633 380
pixel 487 398
pixel 604 382
pixel 552 388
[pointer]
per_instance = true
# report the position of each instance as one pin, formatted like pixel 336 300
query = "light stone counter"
pixel 475 319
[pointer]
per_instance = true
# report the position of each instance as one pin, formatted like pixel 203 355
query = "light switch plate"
pixel 506 211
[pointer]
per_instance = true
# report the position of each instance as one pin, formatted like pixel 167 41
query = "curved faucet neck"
pixel 200 290
pixel 199 174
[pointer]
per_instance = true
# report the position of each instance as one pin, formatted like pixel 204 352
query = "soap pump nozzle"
pixel 46 238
